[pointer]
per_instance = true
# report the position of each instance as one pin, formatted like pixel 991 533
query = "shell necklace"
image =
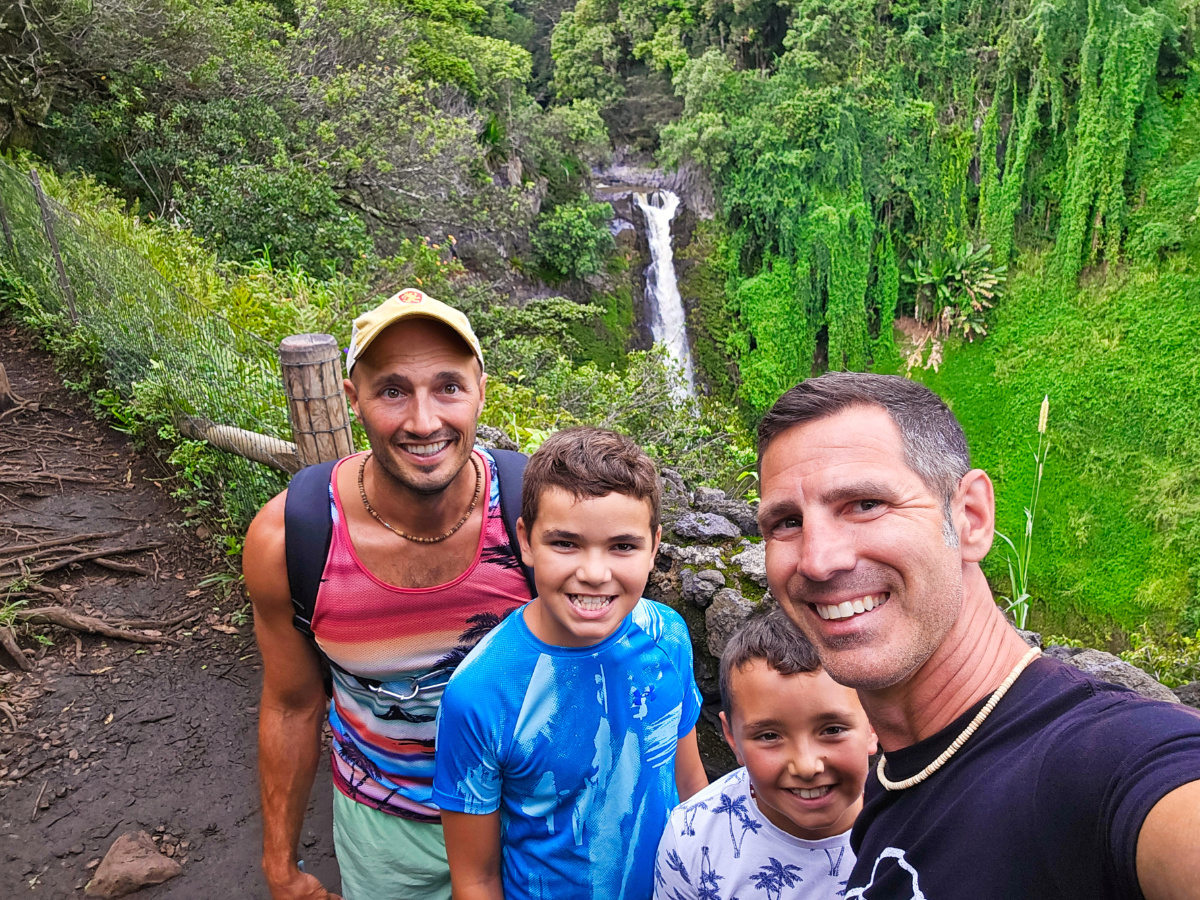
pixel 412 537
pixel 966 732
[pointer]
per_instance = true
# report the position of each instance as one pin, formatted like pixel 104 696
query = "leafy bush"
pixel 286 214
pixel 955 288
pixel 1173 659
pixel 573 239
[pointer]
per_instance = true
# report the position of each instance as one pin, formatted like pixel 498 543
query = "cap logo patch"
pixel 410 296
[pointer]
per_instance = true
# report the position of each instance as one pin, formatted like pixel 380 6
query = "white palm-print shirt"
pixel 718 846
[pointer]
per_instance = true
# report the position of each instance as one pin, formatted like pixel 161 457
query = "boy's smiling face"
pixel 591 557
pixel 805 741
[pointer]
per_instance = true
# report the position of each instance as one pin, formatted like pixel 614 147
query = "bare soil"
pixel 105 735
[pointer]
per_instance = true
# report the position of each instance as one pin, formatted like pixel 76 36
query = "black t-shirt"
pixel 1046 799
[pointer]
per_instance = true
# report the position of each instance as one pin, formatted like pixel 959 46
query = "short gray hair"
pixel 773 639
pixel 933 442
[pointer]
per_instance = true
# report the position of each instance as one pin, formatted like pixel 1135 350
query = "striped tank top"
pixel 392 650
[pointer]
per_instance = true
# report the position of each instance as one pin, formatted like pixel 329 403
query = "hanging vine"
pixel 1116 64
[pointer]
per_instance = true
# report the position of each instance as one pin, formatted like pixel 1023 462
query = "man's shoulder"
pixel 1064 697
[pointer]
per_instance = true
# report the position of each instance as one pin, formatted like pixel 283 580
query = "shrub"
pixel 289 215
pixel 573 239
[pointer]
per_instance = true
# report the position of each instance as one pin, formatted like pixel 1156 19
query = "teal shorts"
pixel 386 857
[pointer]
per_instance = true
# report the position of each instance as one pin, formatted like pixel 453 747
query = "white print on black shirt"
pixel 889 853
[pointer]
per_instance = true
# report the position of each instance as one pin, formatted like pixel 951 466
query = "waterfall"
pixel 667 321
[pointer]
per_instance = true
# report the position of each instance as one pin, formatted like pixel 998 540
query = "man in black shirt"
pixel 1006 775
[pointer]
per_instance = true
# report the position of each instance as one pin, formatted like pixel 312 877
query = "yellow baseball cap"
pixel 409 302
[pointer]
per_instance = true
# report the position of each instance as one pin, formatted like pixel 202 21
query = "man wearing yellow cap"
pixel 419 566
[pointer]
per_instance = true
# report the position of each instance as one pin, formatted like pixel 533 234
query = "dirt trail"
pixel 109 735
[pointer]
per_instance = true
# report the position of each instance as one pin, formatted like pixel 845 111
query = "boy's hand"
pixel 473 851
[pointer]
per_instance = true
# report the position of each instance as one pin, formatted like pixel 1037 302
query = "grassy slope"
pixel 1119 520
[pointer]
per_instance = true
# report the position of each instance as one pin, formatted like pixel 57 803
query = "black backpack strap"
pixel 510 470
pixel 308 529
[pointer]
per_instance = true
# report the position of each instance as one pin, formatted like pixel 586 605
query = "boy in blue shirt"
pixel 568 734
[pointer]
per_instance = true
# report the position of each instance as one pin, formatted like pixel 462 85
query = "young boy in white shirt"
pixel 780 825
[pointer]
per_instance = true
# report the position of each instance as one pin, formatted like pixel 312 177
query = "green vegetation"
pixel 1119 520
pixel 572 240
pixel 1002 199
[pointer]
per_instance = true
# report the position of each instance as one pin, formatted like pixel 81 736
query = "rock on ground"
pixel 714 500
pixel 1189 694
pixel 1107 667
pixel 753 562
pixel 700 587
pixel 692 555
pixel 494 438
pixel 676 499
pixel 728 611
pixel 132 863
pixel 705 527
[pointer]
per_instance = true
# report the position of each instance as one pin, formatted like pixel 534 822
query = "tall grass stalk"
pixel 1017 603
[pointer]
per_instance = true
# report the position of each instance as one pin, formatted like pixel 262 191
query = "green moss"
pixel 606 340
pixel 1118 529
pixel 704 271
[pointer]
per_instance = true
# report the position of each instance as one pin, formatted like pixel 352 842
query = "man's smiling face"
pixel 419 391
pixel 856 551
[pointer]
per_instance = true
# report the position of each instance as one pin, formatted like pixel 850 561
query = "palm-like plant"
pixel 955 288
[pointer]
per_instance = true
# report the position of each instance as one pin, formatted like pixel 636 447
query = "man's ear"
pixel 725 730
pixel 975 515
pixel 656 542
pixel 351 395
pixel 482 394
pixel 523 538
pixel 873 747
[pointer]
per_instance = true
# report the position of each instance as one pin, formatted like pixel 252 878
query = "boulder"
pixel 132 863
pixel 1106 667
pixel 676 498
pixel 705 527
pixel 728 611
pixel 1032 638
pixel 708 557
pixel 741 513
pixel 494 438
pixel 753 562
pixel 1189 694
pixel 1062 654
pixel 699 588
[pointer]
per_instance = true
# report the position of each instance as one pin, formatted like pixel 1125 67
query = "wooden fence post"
pixel 8 237
pixel 312 379
pixel 48 221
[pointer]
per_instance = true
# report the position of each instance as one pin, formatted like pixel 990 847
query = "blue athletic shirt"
pixel 576 748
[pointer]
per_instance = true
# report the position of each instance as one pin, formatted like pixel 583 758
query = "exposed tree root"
pixel 91 554
pixel 65 618
pixel 9 642
pixel 12 717
pixel 20 549
pixel 131 568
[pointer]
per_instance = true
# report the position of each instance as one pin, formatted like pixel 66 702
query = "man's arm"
pixel 690 776
pixel 291 711
pixel 473 851
pixel 1168 847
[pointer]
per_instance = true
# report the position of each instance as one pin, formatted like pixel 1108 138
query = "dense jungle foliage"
pixel 999 198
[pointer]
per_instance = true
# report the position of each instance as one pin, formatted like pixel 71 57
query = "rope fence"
pixel 158 344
